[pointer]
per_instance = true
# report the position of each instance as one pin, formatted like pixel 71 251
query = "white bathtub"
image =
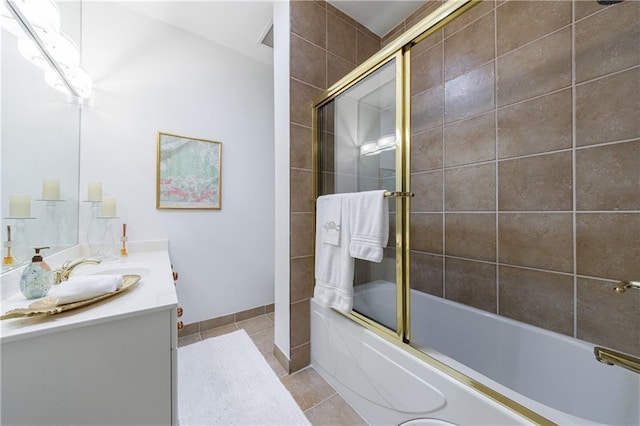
pixel 549 373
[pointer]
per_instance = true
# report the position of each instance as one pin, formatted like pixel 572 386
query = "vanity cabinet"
pixel 114 373
pixel 113 363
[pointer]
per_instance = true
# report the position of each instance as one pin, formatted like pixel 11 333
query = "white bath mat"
pixel 225 381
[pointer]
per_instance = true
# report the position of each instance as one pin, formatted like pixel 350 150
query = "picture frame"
pixel 188 173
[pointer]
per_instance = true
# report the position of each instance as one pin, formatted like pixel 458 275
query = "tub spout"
pixel 609 357
pixel 67 268
pixel 625 285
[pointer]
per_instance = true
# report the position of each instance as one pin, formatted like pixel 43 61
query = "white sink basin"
pixel 120 270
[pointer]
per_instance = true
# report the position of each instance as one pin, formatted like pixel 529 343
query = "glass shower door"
pixel 358 133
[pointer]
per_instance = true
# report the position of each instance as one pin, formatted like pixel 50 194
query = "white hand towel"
pixel 334 265
pixel 85 287
pixel 369 223
pixel 331 206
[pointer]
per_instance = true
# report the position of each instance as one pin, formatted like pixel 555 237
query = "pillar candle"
pixel 95 191
pixel 51 189
pixel 19 205
pixel 108 207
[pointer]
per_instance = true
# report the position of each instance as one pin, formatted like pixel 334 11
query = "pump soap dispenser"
pixel 36 279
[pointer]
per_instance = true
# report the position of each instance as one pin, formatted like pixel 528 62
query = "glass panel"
pixel 357 152
pixel 523 219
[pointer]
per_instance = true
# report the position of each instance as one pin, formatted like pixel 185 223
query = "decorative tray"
pixel 49 305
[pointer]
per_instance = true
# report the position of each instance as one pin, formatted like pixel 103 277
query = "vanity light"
pixel 81 81
pixel 44 17
pixel 30 51
pixel 53 79
pixel 8 22
pixel 66 54
pixel 384 143
pixel 49 47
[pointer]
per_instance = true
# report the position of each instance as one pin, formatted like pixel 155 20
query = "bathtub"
pixel 553 375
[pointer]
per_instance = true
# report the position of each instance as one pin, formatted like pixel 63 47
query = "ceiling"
pixel 241 25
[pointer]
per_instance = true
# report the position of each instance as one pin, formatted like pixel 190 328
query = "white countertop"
pixel 154 292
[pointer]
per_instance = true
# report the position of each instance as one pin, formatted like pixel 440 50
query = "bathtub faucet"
pixel 67 268
pixel 625 285
pixel 609 357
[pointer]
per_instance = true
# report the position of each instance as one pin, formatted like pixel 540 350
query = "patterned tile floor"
pixel 316 398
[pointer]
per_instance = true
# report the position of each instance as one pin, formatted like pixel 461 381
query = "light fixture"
pixel 384 143
pixel 31 52
pixel 81 81
pixel 44 17
pixel 53 79
pixel 66 54
pixel 47 48
pixel 8 22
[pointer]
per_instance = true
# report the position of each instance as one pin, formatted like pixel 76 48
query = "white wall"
pixel 150 77
pixel 282 164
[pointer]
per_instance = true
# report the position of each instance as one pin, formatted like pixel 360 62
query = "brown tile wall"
pixel 325 45
pixel 526 164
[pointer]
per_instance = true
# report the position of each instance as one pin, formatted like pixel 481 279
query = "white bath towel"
pixel 85 287
pixel 369 224
pixel 331 206
pixel 334 264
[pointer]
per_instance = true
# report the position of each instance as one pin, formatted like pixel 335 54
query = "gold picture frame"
pixel 188 173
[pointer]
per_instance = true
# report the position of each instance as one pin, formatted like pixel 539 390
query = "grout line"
pixel 597 145
pixel 485 212
pixel 602 77
pixel 469 24
pixel 322 401
pixel 496 151
pixel 573 169
pixel 549 34
pixel 444 186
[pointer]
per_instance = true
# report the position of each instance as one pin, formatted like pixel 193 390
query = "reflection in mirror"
pixel 40 143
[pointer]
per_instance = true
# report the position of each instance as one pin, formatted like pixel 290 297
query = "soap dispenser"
pixel 37 278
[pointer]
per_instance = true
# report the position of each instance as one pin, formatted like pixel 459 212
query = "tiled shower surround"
pixel 526 165
pixel 525 160
pixel 325 44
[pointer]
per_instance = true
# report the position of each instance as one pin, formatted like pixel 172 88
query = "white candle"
pixel 19 205
pixel 51 189
pixel 108 207
pixel 95 191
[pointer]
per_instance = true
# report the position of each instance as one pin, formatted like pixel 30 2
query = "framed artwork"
pixel 188 173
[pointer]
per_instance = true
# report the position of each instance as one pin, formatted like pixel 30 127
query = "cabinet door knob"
pixel 179 311
pixel 180 325
pixel 175 276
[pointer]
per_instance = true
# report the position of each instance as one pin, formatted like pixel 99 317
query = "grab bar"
pixel 625 285
pixel 609 357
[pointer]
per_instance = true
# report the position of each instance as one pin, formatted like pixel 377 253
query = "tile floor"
pixel 316 398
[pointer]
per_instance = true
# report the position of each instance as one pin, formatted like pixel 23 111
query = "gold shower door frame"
pixel 400 51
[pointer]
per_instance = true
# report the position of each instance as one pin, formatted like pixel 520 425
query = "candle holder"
pixel 95 230
pixel 108 240
pixel 50 227
pixel 8 259
pixel 20 244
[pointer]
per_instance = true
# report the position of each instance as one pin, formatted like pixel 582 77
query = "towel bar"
pixel 398 194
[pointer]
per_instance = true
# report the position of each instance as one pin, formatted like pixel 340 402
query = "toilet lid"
pixel 426 422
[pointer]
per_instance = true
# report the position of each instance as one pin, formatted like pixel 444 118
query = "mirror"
pixel 40 140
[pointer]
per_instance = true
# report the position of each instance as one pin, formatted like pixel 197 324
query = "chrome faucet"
pixel 67 268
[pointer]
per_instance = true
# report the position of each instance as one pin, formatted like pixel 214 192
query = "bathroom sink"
pixel 121 270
